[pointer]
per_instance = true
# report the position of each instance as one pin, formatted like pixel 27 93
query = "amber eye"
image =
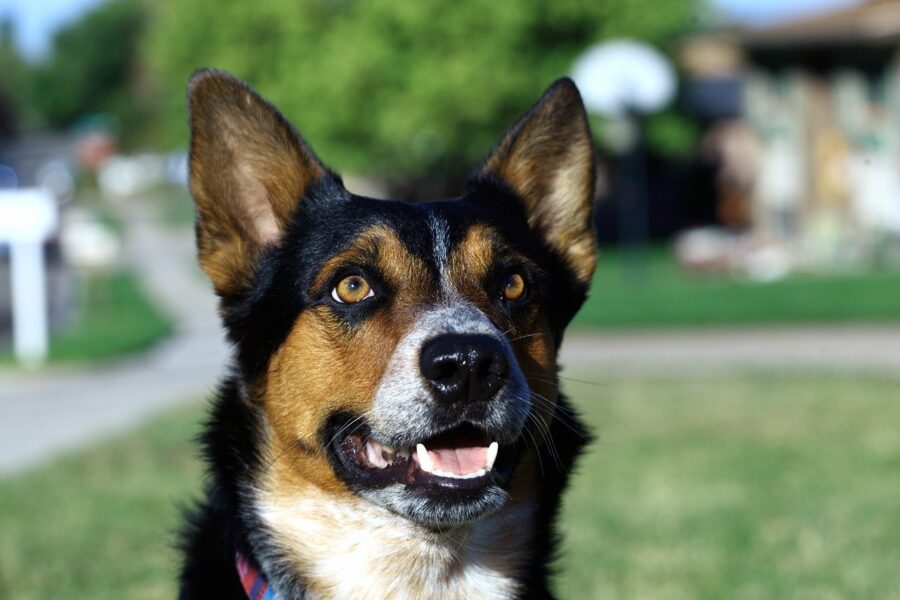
pixel 514 287
pixel 352 289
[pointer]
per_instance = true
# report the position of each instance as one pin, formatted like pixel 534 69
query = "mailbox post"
pixel 27 218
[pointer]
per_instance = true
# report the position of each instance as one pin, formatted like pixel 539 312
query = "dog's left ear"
pixel 548 159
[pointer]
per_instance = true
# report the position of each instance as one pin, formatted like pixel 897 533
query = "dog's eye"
pixel 352 289
pixel 514 287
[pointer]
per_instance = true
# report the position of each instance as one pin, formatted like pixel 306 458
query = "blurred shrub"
pixel 415 90
pixel 672 134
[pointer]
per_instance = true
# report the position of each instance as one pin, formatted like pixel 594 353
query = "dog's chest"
pixel 349 548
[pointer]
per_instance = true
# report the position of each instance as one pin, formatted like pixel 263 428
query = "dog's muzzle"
pixel 464 370
pixel 444 432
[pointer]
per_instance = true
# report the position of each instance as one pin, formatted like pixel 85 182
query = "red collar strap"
pixel 255 585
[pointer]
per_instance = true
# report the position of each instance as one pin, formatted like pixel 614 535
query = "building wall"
pixel 828 180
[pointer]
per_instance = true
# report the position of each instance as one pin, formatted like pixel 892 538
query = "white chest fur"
pixel 348 547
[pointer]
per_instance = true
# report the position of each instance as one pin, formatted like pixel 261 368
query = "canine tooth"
pixel 491 456
pixel 425 461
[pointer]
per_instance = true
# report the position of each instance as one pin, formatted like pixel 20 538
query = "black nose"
pixel 464 367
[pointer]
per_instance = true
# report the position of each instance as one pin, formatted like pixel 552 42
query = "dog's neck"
pixel 346 547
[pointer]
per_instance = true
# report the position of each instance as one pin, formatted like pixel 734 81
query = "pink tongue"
pixel 460 461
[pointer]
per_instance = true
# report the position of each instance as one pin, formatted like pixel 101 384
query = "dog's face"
pixel 402 354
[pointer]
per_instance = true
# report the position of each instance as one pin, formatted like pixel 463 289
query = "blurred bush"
pixel 672 134
pixel 415 91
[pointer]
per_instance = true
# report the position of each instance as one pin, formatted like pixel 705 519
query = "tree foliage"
pixel 91 66
pixel 415 90
pixel 13 82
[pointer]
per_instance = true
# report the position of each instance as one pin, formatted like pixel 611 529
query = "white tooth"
pixel 373 454
pixel 491 456
pixel 425 461
pixel 449 475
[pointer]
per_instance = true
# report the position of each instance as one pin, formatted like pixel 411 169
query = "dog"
pixel 392 425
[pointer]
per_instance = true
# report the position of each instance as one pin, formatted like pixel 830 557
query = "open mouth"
pixel 462 458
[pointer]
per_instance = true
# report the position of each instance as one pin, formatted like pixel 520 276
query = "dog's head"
pixel 405 354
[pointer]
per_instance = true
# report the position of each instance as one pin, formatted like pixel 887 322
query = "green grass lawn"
pixel 667 296
pixel 743 486
pixel 117 318
pixel 100 524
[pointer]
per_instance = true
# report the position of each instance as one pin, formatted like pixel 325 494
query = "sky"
pixel 758 12
pixel 36 20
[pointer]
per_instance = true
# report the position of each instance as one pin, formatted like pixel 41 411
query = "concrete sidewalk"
pixel 45 413
pixel 862 349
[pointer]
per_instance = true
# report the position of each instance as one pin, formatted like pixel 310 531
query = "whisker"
pixel 527 335
pixel 450 542
pixel 537 450
pixel 584 381
pixel 541 378
pixel 268 466
pixel 271 463
pixel 536 375
pixel 544 431
pixel 348 425
pixel 564 416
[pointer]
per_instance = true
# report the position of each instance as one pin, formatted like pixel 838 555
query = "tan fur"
pixel 302 388
pixel 548 159
pixel 248 170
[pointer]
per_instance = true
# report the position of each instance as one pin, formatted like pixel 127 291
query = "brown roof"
pixel 875 22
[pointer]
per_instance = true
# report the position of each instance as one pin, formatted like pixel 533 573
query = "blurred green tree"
pixel 418 91
pixel 14 81
pixel 92 67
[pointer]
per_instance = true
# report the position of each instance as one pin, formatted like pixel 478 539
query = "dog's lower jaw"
pixel 348 547
pixel 437 515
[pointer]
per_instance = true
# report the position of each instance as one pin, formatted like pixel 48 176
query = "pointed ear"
pixel 548 160
pixel 249 168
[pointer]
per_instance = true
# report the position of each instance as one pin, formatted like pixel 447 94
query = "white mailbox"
pixel 27 218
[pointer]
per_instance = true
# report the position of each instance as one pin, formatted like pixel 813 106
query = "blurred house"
pixel 816 144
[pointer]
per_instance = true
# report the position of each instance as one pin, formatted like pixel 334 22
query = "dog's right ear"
pixel 249 168
pixel 548 160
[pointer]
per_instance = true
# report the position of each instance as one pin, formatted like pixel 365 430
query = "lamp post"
pixel 626 80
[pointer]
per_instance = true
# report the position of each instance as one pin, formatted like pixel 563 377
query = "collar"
pixel 253 582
